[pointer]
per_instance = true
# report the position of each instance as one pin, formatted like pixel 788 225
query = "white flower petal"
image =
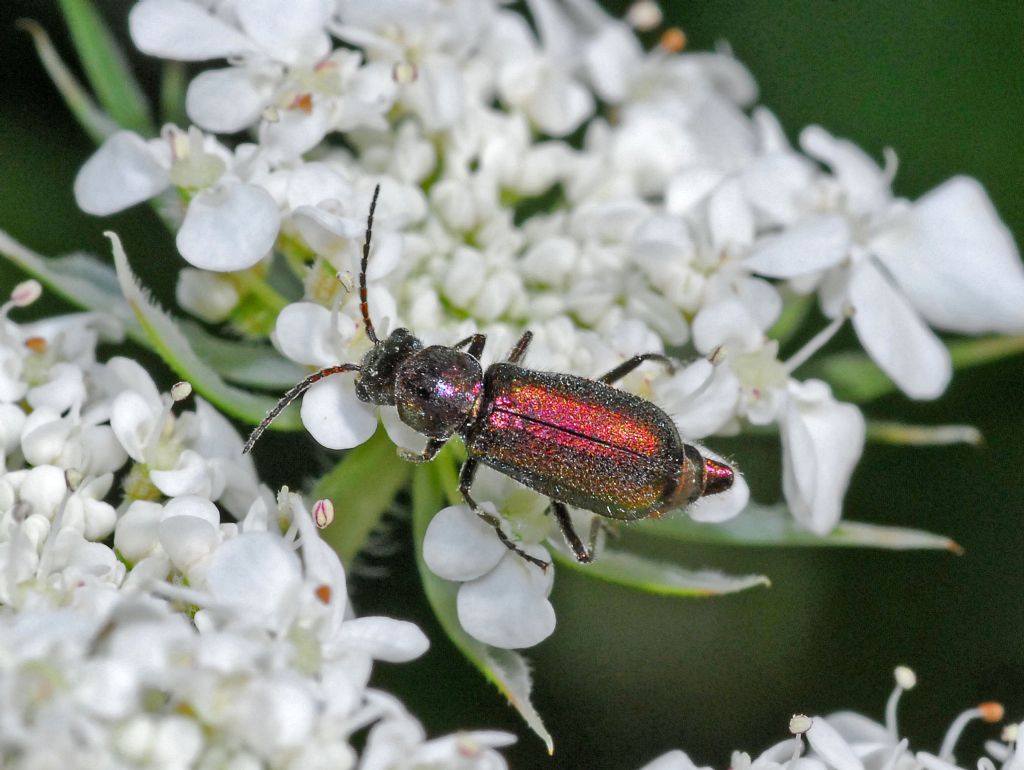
pixel 176 29
pixel 225 100
pixel 191 475
pixel 508 606
pixel 131 419
pixel 295 131
pixel 813 245
pixel 895 336
pixel 394 641
pixel 121 173
pixel 257 571
pixel 187 539
pixel 831 747
pixel 723 505
pixel 229 228
pixel 865 184
pixel 288 30
pixel 956 260
pixel 334 416
pixel 822 440
pixel 303 333
pixel 730 219
pixel 459 545
pixel 135 535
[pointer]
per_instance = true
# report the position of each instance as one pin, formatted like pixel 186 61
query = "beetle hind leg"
pixel 465 482
pixel 583 554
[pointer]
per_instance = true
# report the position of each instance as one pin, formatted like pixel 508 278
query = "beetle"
pixel 579 441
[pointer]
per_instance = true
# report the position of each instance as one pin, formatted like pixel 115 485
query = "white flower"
pixel 945 260
pixel 503 599
pixel 229 224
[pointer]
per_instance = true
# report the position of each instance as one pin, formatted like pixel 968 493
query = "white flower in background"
pixel 284 74
pixel 229 223
pixel 945 260
pixel 272 671
pixel 850 741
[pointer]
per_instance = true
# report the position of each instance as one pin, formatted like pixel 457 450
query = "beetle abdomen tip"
pixel 718 477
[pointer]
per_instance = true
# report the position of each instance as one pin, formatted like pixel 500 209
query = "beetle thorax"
pixel 375 382
pixel 437 390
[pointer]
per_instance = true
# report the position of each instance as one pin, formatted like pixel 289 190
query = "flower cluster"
pixel 555 176
pixel 849 741
pixel 189 642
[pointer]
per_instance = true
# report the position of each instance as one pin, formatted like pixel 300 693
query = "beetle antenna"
pixel 364 306
pixel 290 396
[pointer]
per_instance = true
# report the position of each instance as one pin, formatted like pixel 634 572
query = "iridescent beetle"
pixel 580 442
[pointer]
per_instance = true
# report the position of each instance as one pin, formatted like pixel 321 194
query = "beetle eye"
pixel 424 392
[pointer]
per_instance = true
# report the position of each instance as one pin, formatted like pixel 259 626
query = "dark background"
pixel 626 676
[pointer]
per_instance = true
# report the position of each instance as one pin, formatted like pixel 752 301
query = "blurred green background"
pixel 626 677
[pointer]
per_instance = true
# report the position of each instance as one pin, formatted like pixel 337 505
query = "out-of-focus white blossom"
pixel 849 741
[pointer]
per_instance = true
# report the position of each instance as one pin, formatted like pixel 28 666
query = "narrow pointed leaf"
pixel 107 68
pixel 772 526
pixel 94 121
pixel 244 363
pixel 506 669
pixel 635 571
pixel 88 283
pixel 167 339
pixel 903 434
pixel 363 487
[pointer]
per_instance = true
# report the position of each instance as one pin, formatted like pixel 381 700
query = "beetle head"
pixel 375 382
pixel 437 390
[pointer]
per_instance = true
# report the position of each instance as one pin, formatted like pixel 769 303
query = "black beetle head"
pixel 437 389
pixel 375 382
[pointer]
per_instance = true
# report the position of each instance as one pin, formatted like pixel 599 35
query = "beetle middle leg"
pixel 434 446
pixel 629 365
pixel 465 482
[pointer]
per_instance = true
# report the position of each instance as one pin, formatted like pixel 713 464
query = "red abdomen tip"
pixel 718 477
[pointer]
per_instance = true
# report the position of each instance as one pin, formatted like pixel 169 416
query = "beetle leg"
pixel 476 344
pixel 583 555
pixel 520 348
pixel 465 482
pixel 626 367
pixel 429 452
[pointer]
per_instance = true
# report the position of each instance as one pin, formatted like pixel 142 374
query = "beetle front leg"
pixel 429 452
pixel 520 348
pixel 465 482
pixel 626 367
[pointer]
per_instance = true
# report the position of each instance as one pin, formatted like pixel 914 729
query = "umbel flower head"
pixel 548 174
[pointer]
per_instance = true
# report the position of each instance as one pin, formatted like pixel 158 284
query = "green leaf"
pixel 635 571
pixel 772 526
pixel 794 312
pixel 506 669
pixel 855 377
pixel 96 123
pixel 903 434
pixel 173 81
pixel 107 67
pixel 243 362
pixel 363 487
pixel 167 339
pixel 88 283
